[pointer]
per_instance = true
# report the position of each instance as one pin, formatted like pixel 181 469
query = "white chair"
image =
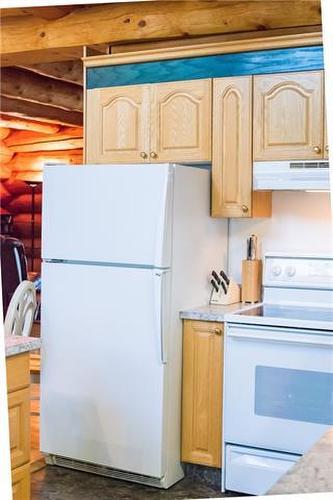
pixel 21 310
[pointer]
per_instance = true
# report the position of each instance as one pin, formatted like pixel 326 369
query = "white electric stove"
pixel 278 380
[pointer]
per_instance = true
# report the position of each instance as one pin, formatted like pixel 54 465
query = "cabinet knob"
pixel 326 148
pixel 218 331
pixel 316 149
pixel 143 155
pixel 245 209
pixel 153 155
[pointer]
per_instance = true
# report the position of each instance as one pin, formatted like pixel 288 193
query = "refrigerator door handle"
pixel 159 295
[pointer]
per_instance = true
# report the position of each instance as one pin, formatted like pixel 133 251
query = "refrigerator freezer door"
pixel 108 213
pixel 102 385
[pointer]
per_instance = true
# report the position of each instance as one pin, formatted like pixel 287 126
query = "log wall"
pixel 23 154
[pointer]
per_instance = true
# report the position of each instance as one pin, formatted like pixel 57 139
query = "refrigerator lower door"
pixel 103 363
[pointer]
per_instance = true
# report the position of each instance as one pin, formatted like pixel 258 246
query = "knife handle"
pixel 213 283
pixel 225 277
pixel 215 276
pixel 224 287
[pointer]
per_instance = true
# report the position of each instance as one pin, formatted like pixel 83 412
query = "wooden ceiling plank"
pixel 68 71
pixel 28 109
pixel 22 84
pixel 25 137
pixel 57 145
pixel 123 22
pixel 41 56
pixel 33 125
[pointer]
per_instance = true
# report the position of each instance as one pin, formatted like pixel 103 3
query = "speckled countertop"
pixel 313 473
pixel 212 312
pixel 18 345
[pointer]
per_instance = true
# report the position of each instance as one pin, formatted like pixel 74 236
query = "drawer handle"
pixel 245 209
pixel 153 154
pixel 218 331
pixel 143 155
pixel 326 148
pixel 316 149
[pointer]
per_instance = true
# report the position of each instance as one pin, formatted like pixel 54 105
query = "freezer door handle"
pixel 159 293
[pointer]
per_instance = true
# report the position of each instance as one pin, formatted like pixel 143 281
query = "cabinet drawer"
pixel 18 375
pixel 21 483
pixel 19 427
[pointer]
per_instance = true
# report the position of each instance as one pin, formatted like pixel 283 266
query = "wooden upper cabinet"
pixel 232 147
pixel 202 393
pixel 326 149
pixel 288 116
pixel 181 121
pixel 117 128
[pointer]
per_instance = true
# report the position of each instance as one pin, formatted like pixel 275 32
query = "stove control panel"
pixel 298 271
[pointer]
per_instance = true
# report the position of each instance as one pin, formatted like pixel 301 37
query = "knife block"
pixel 251 281
pixel 224 299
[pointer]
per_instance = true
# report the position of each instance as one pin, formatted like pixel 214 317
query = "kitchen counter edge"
pixel 214 313
pixel 18 345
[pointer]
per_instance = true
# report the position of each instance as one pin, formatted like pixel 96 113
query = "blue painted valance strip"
pixel 242 63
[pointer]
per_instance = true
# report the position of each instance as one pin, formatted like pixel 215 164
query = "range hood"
pixel 291 175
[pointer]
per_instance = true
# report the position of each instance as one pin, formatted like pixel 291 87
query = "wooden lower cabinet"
pixel 19 427
pixel 18 388
pixel 21 482
pixel 202 393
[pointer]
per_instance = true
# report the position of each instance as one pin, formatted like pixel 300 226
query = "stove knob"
pixel 276 270
pixel 290 271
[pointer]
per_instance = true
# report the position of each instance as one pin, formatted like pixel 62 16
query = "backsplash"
pixel 301 222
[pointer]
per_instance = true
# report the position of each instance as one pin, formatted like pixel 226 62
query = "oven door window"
pixel 302 395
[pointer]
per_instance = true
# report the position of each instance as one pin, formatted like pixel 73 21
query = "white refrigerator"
pixel 124 248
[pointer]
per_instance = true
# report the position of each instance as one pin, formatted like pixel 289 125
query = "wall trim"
pixel 253 41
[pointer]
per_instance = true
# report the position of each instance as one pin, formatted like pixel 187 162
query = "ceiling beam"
pixel 50 12
pixel 67 71
pixel 22 84
pixel 32 110
pixel 123 22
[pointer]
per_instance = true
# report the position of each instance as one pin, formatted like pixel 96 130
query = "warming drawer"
pixel 255 471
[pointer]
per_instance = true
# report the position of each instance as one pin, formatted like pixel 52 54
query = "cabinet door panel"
pixel 232 147
pixel 202 393
pixel 19 427
pixel 181 121
pixel 326 148
pixel 288 116
pixel 117 124
pixel 21 483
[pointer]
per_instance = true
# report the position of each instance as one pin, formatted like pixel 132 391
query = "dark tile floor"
pixel 57 483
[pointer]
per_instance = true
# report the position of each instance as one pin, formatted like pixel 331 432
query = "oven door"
pixel 278 387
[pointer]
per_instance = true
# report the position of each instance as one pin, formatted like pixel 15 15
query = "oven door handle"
pixel 283 336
